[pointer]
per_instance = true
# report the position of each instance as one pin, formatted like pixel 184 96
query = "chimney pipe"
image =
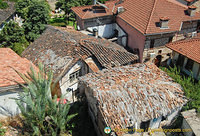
pixel 95 33
pixel 191 10
pixel 164 22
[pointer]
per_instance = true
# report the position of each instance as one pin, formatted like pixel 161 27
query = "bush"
pixel 13 36
pixel 191 89
pixel 41 112
pixel 3 5
pixel 2 131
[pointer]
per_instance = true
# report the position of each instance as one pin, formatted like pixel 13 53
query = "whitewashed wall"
pixel 155 123
pixel 105 31
pixel 195 68
pixel 121 32
pixel 8 106
pixel 65 82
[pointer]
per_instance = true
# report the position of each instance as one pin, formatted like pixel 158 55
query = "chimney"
pixel 192 10
pixel 95 32
pixel 120 9
pixel 164 22
pixel 94 2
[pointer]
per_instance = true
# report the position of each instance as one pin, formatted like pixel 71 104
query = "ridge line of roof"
pixel 184 41
pixel 154 5
pixel 177 3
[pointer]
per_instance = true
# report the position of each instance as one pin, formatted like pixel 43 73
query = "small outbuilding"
pixel 134 97
pixel 9 79
pixel 186 55
pixel 71 54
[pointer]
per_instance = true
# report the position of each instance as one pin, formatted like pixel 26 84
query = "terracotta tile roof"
pixel 92 11
pixel 140 92
pixel 189 0
pixel 189 48
pixel 6 13
pixel 61 48
pixel 144 15
pixel 9 61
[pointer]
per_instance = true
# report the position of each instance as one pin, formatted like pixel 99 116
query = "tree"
pixel 35 14
pixel 41 112
pixel 66 5
pixel 190 87
pixel 22 7
pixel 3 5
pixel 12 36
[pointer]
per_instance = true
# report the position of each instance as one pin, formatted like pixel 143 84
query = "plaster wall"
pixel 8 106
pixel 136 40
pixel 105 31
pixel 186 126
pixel 195 68
pixel 65 83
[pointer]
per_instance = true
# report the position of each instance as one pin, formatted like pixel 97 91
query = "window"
pixel 170 39
pixel 180 60
pixel 189 65
pixel 152 43
pixel 73 76
pixel 145 125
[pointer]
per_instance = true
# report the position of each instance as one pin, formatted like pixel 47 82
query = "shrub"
pixel 191 89
pixel 41 112
pixel 3 5
pixel 2 131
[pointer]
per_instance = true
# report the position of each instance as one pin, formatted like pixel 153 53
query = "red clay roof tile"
pixel 144 14
pixel 189 48
pixel 9 62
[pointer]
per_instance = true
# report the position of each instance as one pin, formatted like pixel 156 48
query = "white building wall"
pixel 120 34
pixel 105 31
pixel 65 82
pixel 155 123
pixel 171 116
pixel 8 106
pixel 108 30
pixel 195 69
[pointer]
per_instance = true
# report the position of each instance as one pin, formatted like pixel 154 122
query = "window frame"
pixel 189 64
pixel 74 76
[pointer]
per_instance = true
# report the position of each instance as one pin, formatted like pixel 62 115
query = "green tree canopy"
pixel 191 89
pixel 3 5
pixel 13 36
pixel 35 14
pixel 66 5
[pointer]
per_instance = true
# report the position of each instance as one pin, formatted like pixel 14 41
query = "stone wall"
pixel 188 29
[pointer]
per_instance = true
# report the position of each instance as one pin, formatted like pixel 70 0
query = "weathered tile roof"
pixel 6 13
pixel 189 48
pixel 144 15
pixel 9 61
pixel 61 48
pixel 140 92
